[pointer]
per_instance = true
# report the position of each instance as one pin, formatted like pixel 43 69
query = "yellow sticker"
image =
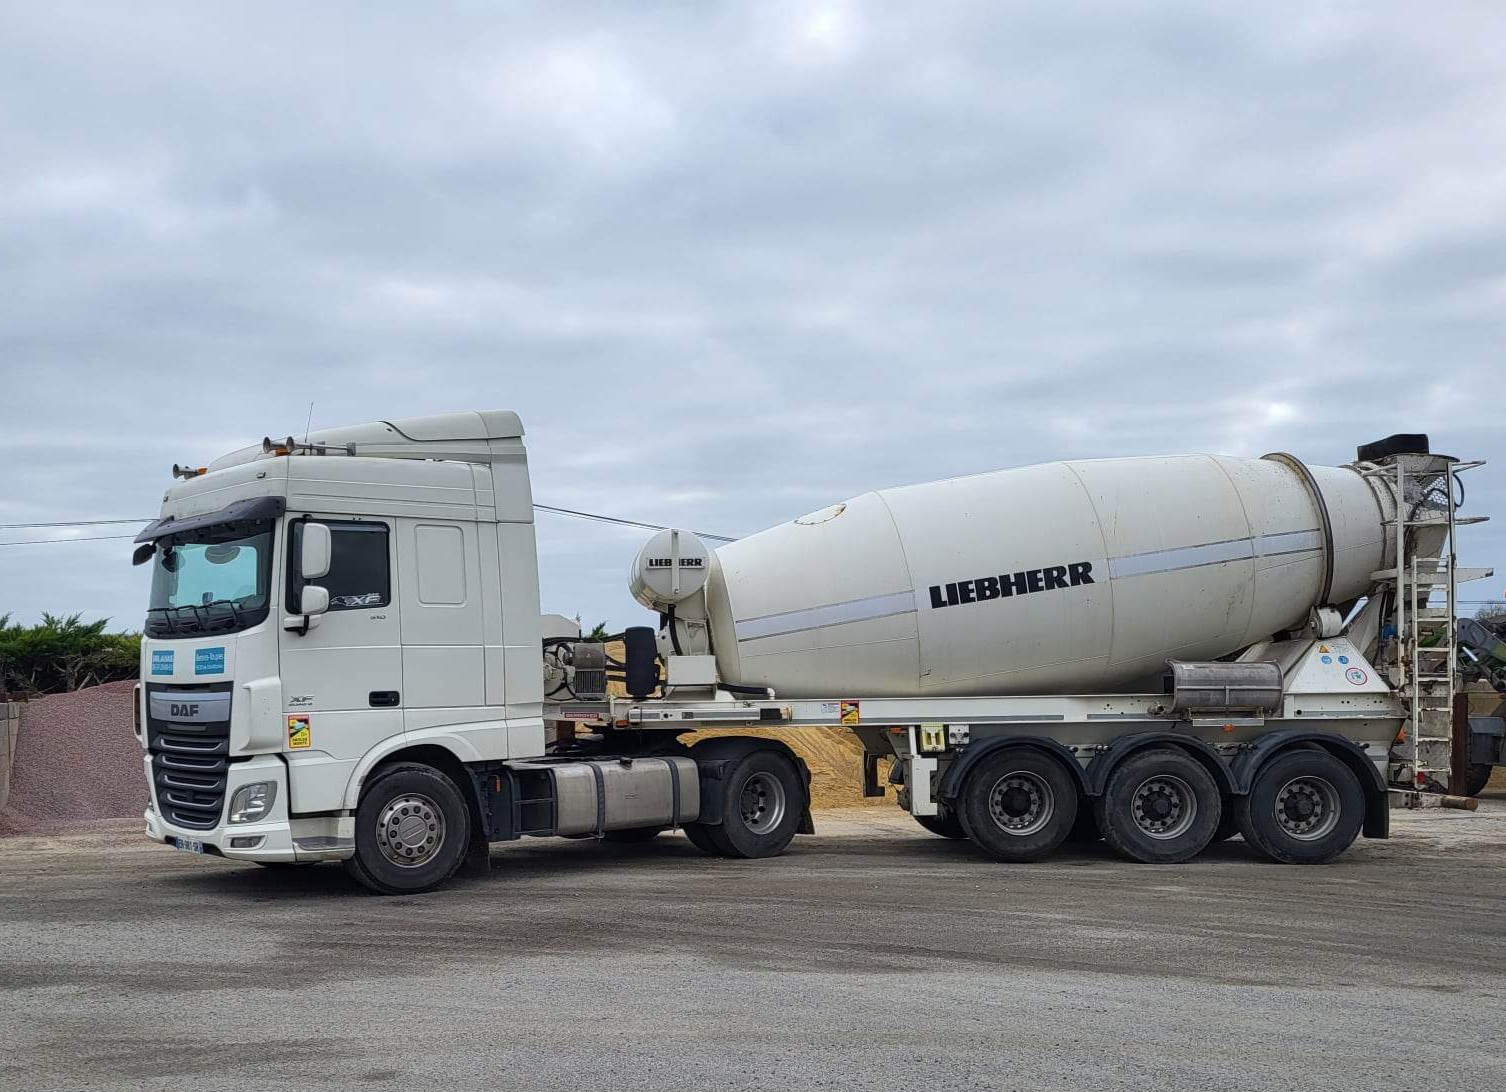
pixel 849 712
pixel 1323 648
pixel 299 737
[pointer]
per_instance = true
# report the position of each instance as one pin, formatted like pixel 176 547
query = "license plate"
pixel 189 844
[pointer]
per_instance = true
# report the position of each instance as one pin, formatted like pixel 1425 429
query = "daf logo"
pixel 184 710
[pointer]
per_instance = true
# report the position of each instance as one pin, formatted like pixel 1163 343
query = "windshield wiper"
pixel 234 610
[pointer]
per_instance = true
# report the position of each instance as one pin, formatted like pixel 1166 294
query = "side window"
pixel 360 576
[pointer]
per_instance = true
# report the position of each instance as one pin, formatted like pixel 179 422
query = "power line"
pixel 575 513
pixel 625 522
pixel 57 541
pixel 69 523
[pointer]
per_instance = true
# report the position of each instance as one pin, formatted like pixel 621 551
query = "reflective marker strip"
pixel 1214 553
pixel 1153 561
pixel 1183 557
pixel 1290 542
pixel 834 614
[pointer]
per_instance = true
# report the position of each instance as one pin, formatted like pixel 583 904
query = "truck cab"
pixel 310 617
pixel 343 659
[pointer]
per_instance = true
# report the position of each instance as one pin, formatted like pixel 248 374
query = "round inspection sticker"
pixel 1326 659
pixel 1356 676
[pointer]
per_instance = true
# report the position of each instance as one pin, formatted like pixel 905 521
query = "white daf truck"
pixel 344 657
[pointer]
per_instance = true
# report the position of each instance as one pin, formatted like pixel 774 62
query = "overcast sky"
pixel 733 262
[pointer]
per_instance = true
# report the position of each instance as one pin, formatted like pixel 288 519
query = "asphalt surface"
pixel 871 956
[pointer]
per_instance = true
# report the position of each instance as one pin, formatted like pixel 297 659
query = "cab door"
pixel 342 681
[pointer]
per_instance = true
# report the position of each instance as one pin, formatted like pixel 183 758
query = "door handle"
pixel 381 698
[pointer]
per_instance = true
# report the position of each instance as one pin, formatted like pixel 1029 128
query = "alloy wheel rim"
pixel 1021 803
pixel 1307 808
pixel 762 802
pixel 1164 807
pixel 410 830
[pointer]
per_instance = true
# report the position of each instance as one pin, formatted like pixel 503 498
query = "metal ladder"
pixel 1424 658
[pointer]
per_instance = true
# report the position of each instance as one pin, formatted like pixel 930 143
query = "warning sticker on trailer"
pixel 300 738
pixel 850 712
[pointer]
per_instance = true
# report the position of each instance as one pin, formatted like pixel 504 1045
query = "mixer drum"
pixel 1076 576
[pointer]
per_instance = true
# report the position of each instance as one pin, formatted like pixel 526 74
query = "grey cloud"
pixel 732 262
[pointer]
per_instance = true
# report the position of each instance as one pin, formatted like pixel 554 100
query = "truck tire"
pixel 1304 807
pixel 946 824
pixel 764 797
pixel 1160 806
pixel 705 839
pixel 632 835
pixel 412 830
pixel 1477 778
pixel 1228 823
pixel 1018 804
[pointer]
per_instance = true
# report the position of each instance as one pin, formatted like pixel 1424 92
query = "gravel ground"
pixel 871 956
pixel 76 760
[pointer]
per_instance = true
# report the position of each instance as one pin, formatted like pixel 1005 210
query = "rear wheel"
pixel 1085 831
pixel 945 823
pixel 412 829
pixel 631 835
pixel 704 838
pixel 1304 807
pixel 763 799
pixel 1018 804
pixel 1228 823
pixel 1160 806
pixel 1477 778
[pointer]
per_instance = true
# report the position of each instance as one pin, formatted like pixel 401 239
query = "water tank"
pixel 1075 576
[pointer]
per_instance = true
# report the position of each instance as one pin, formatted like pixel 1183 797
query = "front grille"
pixel 189 763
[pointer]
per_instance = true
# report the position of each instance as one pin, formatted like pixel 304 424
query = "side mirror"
pixel 314 554
pixel 313 600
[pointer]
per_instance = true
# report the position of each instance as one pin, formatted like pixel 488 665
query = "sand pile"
pixel 77 760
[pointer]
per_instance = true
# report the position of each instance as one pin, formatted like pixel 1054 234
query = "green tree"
pixel 64 653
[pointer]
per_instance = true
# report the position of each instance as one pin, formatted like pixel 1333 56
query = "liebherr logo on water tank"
pixel 980 589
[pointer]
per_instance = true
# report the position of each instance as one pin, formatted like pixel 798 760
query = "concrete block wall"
pixel 10 731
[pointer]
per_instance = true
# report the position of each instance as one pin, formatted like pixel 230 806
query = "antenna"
pixel 309 423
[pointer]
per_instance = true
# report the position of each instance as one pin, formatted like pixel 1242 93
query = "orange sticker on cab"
pixel 299 736
pixel 850 712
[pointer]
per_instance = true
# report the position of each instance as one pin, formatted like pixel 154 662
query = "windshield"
pixel 211 580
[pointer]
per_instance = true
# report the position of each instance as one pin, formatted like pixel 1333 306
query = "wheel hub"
pixel 762 802
pixel 1307 808
pixel 1021 803
pixel 1164 806
pixel 410 830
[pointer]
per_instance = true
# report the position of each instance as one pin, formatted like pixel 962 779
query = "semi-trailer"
pixel 344 657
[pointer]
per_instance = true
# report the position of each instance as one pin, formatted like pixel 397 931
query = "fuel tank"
pixel 1082 576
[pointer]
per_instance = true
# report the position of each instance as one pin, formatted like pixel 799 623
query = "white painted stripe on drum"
pixel 832 614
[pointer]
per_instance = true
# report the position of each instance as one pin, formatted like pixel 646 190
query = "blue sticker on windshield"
pixel 162 661
pixel 209 661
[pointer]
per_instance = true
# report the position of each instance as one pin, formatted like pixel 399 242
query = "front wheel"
pixel 763 798
pixel 412 829
pixel 1018 804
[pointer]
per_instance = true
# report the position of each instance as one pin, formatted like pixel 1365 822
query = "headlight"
pixel 252 802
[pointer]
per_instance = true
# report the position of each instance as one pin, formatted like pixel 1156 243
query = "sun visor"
pixel 251 508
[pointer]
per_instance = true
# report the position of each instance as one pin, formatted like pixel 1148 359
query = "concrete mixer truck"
pixel 344 657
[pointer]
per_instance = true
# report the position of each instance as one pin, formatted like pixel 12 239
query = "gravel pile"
pixel 77 760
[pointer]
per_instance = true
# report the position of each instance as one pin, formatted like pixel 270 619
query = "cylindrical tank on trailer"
pixel 1073 575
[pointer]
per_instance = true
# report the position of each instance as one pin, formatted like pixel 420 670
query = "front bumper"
pixel 278 838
